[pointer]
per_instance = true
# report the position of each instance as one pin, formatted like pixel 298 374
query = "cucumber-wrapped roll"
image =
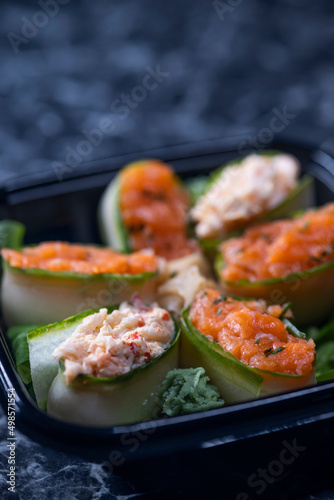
pixel 258 186
pixel 50 281
pixel 248 349
pixel 285 260
pixel 145 206
pixel 111 364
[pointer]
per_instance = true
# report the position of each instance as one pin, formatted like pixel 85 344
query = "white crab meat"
pixel 108 345
pixel 244 192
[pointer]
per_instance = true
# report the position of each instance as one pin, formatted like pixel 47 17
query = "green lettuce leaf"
pixel 324 341
pixel 18 339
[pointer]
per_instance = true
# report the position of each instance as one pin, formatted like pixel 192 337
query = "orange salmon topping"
pixel 87 259
pixel 277 249
pixel 252 332
pixel 153 205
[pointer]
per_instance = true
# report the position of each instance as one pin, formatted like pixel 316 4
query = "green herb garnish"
pixel 329 251
pixel 221 299
pixel 285 310
pixel 257 341
pixel 279 349
pixel 293 330
pixel 313 258
pixel 219 311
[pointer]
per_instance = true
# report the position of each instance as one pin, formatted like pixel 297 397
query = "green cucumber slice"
pixel 112 229
pixel 41 343
pixel 300 198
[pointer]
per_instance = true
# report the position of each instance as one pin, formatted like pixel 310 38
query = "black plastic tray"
pixel 67 210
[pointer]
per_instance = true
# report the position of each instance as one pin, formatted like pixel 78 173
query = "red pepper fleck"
pixel 141 322
pixel 134 348
pixel 165 316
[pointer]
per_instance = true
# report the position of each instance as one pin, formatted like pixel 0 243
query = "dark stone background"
pixel 226 75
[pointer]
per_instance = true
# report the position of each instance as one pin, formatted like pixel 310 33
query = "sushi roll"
pixel 282 261
pixel 51 281
pixel 247 348
pixel 146 206
pixel 257 186
pixel 104 367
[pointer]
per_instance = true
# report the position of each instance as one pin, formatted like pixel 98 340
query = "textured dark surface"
pixel 225 74
pixel 222 75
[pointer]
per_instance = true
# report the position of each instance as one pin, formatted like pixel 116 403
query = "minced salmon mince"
pixel 153 206
pixel 61 256
pixel 243 192
pixel 108 345
pixel 279 248
pixel 252 332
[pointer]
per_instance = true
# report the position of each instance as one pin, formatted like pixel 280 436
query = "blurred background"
pixel 85 80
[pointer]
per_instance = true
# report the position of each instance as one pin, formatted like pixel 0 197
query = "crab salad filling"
pixel 109 345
